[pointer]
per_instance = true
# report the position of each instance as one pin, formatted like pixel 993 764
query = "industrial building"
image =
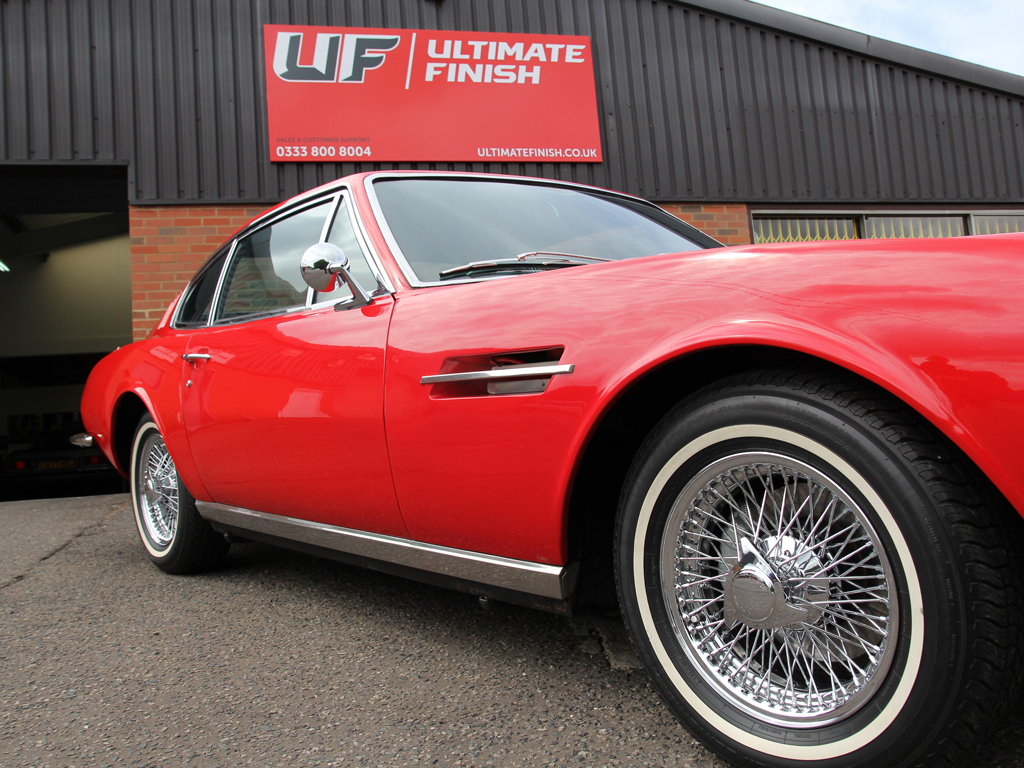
pixel 135 139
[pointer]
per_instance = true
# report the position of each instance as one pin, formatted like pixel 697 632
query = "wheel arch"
pixel 128 409
pixel 628 418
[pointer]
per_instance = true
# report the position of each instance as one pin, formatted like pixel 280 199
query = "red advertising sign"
pixel 404 95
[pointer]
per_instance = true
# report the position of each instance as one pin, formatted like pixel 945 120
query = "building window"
pixel 772 227
pixel 997 224
pixel 882 227
pixel 792 230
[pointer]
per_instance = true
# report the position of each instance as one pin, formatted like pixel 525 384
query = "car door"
pixel 494 373
pixel 283 391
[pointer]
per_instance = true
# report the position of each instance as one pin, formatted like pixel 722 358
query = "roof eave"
pixel 865 45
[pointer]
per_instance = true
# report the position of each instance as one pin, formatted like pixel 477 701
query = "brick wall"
pixel 727 223
pixel 168 244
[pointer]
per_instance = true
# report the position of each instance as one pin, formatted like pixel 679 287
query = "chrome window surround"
pixel 216 290
pixel 541 579
pixel 309 200
pixel 396 251
pixel 383 284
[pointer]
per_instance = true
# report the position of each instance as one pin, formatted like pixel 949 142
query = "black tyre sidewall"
pixel 895 482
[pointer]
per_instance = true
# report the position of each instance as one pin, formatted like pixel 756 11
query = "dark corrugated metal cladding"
pixel 694 104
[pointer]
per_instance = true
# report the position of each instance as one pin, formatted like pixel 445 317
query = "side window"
pixel 264 276
pixel 343 235
pixel 195 310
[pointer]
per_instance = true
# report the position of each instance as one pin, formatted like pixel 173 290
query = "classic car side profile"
pixel 797 468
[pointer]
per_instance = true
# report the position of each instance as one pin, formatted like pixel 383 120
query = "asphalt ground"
pixel 280 659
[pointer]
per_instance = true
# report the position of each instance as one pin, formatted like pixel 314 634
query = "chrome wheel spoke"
pixel 156 486
pixel 780 591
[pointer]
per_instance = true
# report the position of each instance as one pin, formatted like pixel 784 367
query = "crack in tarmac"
pixel 610 636
pixel 87 530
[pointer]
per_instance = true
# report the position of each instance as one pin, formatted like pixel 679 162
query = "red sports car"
pixel 798 469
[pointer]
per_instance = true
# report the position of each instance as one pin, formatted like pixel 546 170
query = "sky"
pixel 986 32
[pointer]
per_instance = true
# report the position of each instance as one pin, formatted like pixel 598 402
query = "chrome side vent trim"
pixel 508 373
pixel 549 581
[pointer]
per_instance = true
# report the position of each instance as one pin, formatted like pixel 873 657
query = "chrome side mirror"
pixel 323 266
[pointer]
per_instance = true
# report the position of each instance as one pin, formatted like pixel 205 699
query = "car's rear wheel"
pixel 810 573
pixel 176 538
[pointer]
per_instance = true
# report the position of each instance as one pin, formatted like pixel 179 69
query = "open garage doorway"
pixel 65 302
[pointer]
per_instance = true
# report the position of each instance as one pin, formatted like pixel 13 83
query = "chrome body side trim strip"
pixel 522 372
pixel 550 581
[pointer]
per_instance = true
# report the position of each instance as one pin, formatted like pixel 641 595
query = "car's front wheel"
pixel 176 538
pixel 810 573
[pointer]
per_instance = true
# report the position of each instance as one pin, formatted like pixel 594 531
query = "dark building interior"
pixel 65 301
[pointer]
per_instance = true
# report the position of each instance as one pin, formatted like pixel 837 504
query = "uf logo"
pixel 360 53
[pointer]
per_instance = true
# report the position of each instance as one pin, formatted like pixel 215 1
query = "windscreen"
pixel 441 224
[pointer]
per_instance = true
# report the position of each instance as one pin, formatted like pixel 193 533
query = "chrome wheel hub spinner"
pixel 756 596
pixel 764 595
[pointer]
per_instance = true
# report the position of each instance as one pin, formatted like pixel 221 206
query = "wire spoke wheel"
pixel 176 537
pixel 813 575
pixel 779 589
pixel 158 484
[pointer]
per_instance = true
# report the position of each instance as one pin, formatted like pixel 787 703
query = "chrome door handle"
pixel 193 356
pixel 524 372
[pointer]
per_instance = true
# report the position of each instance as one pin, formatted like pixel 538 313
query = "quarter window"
pixel 195 310
pixel 343 235
pixel 264 277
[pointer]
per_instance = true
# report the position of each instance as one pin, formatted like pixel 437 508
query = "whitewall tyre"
pixel 174 535
pixel 812 575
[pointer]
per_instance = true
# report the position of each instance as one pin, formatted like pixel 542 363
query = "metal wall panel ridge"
pixel 707 100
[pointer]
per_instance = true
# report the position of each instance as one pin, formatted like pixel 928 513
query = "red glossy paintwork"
pixel 150 370
pixel 925 319
pixel 936 322
pixel 288 418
